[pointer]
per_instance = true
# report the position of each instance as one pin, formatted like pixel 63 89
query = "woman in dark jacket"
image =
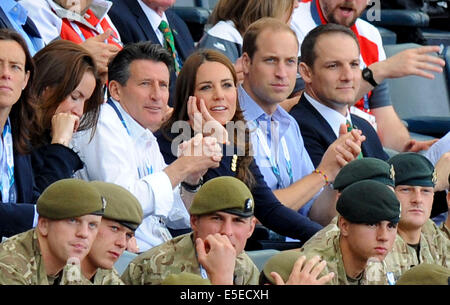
pixel 67 94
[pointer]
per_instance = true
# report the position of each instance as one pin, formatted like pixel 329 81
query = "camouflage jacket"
pixel 175 256
pixel 445 229
pixel 434 249
pixel 71 274
pixel 107 277
pixel 325 244
pixel 21 261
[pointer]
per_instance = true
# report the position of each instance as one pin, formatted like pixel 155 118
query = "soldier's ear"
pixel 343 226
pixel 42 226
pixel 252 226
pixel 194 220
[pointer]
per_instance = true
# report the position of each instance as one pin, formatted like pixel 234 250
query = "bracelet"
pixel 192 188
pixel 318 171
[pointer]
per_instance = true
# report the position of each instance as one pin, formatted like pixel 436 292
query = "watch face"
pixel 366 73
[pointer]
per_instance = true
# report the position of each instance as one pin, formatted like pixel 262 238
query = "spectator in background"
pixel 374 97
pixel 141 20
pixel 83 22
pixel 15 17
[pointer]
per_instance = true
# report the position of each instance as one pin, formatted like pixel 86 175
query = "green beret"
pixel 413 169
pixel 425 274
pixel 368 201
pixel 69 198
pixel 226 194
pixel 362 169
pixel 185 278
pixel 122 207
pixel 282 263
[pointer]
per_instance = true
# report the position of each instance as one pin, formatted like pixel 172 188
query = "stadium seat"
pixel 387 36
pixel 423 103
pixel 123 261
pixel 400 17
pixel 435 36
pixel 259 257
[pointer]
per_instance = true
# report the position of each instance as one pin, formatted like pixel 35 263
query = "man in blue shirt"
pixel 14 16
pixel 270 70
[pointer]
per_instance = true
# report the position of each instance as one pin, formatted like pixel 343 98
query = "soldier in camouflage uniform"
pixel 367 229
pixel 69 215
pixel 445 226
pixel 222 220
pixel 357 170
pixel 419 240
pixel 122 216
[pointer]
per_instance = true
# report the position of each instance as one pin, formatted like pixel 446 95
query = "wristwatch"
pixel 192 188
pixel 367 75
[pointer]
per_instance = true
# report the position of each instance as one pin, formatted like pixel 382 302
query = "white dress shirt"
pixel 130 157
pixel 334 118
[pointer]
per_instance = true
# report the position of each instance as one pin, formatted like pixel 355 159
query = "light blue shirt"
pixel 283 125
pixel 17 16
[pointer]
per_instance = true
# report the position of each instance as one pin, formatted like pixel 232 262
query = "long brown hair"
pixel 245 12
pixel 22 112
pixel 60 66
pixel 185 87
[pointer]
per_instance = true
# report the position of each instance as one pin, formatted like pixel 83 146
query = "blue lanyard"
pixel 273 163
pixel 7 176
pixel 147 169
pixel 111 103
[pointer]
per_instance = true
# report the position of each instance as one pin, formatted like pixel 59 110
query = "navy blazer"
pixel 268 209
pixel 133 26
pixel 33 173
pixel 18 217
pixel 318 135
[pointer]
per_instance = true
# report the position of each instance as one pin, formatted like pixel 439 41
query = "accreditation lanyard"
pixel 7 173
pixel 273 163
pixel 146 170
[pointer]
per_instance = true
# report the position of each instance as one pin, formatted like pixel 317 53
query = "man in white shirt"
pixel 124 150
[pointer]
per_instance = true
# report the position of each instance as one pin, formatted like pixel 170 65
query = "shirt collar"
pixel 135 129
pixel 15 9
pixel 152 16
pixel 253 112
pixel 334 118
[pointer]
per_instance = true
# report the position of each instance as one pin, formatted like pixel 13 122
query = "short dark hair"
pixel 308 53
pixel 119 67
